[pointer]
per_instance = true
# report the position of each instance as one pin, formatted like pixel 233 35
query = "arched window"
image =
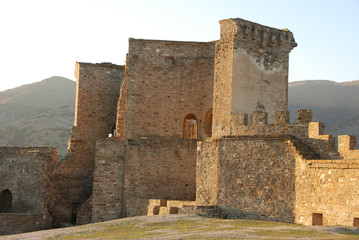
pixel 5 201
pixel 190 126
pixel 208 123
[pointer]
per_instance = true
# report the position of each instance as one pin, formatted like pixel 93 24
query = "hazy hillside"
pixel 38 114
pixel 335 104
pixel 42 113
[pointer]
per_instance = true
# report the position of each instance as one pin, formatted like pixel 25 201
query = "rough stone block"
pixel 304 116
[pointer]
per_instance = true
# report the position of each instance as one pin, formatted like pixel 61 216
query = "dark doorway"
pixel 5 201
pixel 317 219
pixel 356 222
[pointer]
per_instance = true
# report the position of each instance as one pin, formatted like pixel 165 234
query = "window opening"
pixel 190 126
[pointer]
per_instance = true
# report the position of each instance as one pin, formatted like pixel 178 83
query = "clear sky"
pixel 43 38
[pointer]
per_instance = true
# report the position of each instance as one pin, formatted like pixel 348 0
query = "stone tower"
pixel 250 72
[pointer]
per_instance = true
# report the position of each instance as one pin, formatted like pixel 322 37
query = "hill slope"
pixel 335 104
pixel 38 114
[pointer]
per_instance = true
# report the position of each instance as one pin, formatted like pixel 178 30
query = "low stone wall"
pixel 328 188
pixel 12 223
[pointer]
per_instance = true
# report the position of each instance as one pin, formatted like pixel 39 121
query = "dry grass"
pixel 191 227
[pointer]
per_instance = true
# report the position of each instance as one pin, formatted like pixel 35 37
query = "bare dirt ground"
pixel 190 227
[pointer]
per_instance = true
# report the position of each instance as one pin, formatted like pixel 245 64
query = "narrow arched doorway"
pixel 5 201
pixel 190 126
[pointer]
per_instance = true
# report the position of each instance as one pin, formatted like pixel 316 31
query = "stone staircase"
pixel 165 207
pixel 159 207
pixel 302 149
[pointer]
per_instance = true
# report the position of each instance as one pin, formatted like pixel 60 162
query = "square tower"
pixel 251 71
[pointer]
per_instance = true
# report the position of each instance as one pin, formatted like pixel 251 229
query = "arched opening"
pixel 5 201
pixel 190 126
pixel 208 122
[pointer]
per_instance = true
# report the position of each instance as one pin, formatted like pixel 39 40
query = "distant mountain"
pixel 38 114
pixel 42 113
pixel 335 104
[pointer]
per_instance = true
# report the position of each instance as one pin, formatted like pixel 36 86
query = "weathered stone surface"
pixel 24 174
pixel 108 185
pixel 12 223
pixel 256 178
pixel 161 169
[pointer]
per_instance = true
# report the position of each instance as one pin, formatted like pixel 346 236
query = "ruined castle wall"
pixel 327 187
pixel 256 178
pixel 108 186
pixel 98 89
pixel 251 71
pixel 166 81
pixel 24 172
pixel 160 169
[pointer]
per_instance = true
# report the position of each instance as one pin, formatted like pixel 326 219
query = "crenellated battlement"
pixel 259 118
pixel 347 147
pixel 310 133
pixel 254 35
pixel 269 47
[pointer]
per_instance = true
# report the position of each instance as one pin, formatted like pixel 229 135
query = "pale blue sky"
pixel 42 38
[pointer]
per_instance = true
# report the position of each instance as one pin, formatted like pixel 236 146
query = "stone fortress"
pixel 186 127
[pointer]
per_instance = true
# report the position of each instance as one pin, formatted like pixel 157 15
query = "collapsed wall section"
pixel 168 81
pixel 97 93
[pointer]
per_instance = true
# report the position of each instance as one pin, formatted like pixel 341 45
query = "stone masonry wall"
pixel 256 178
pixel 251 71
pixel 108 186
pixel 207 172
pixel 13 223
pixel 161 169
pixel 166 81
pixel 328 187
pixel 97 93
pixel 24 172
